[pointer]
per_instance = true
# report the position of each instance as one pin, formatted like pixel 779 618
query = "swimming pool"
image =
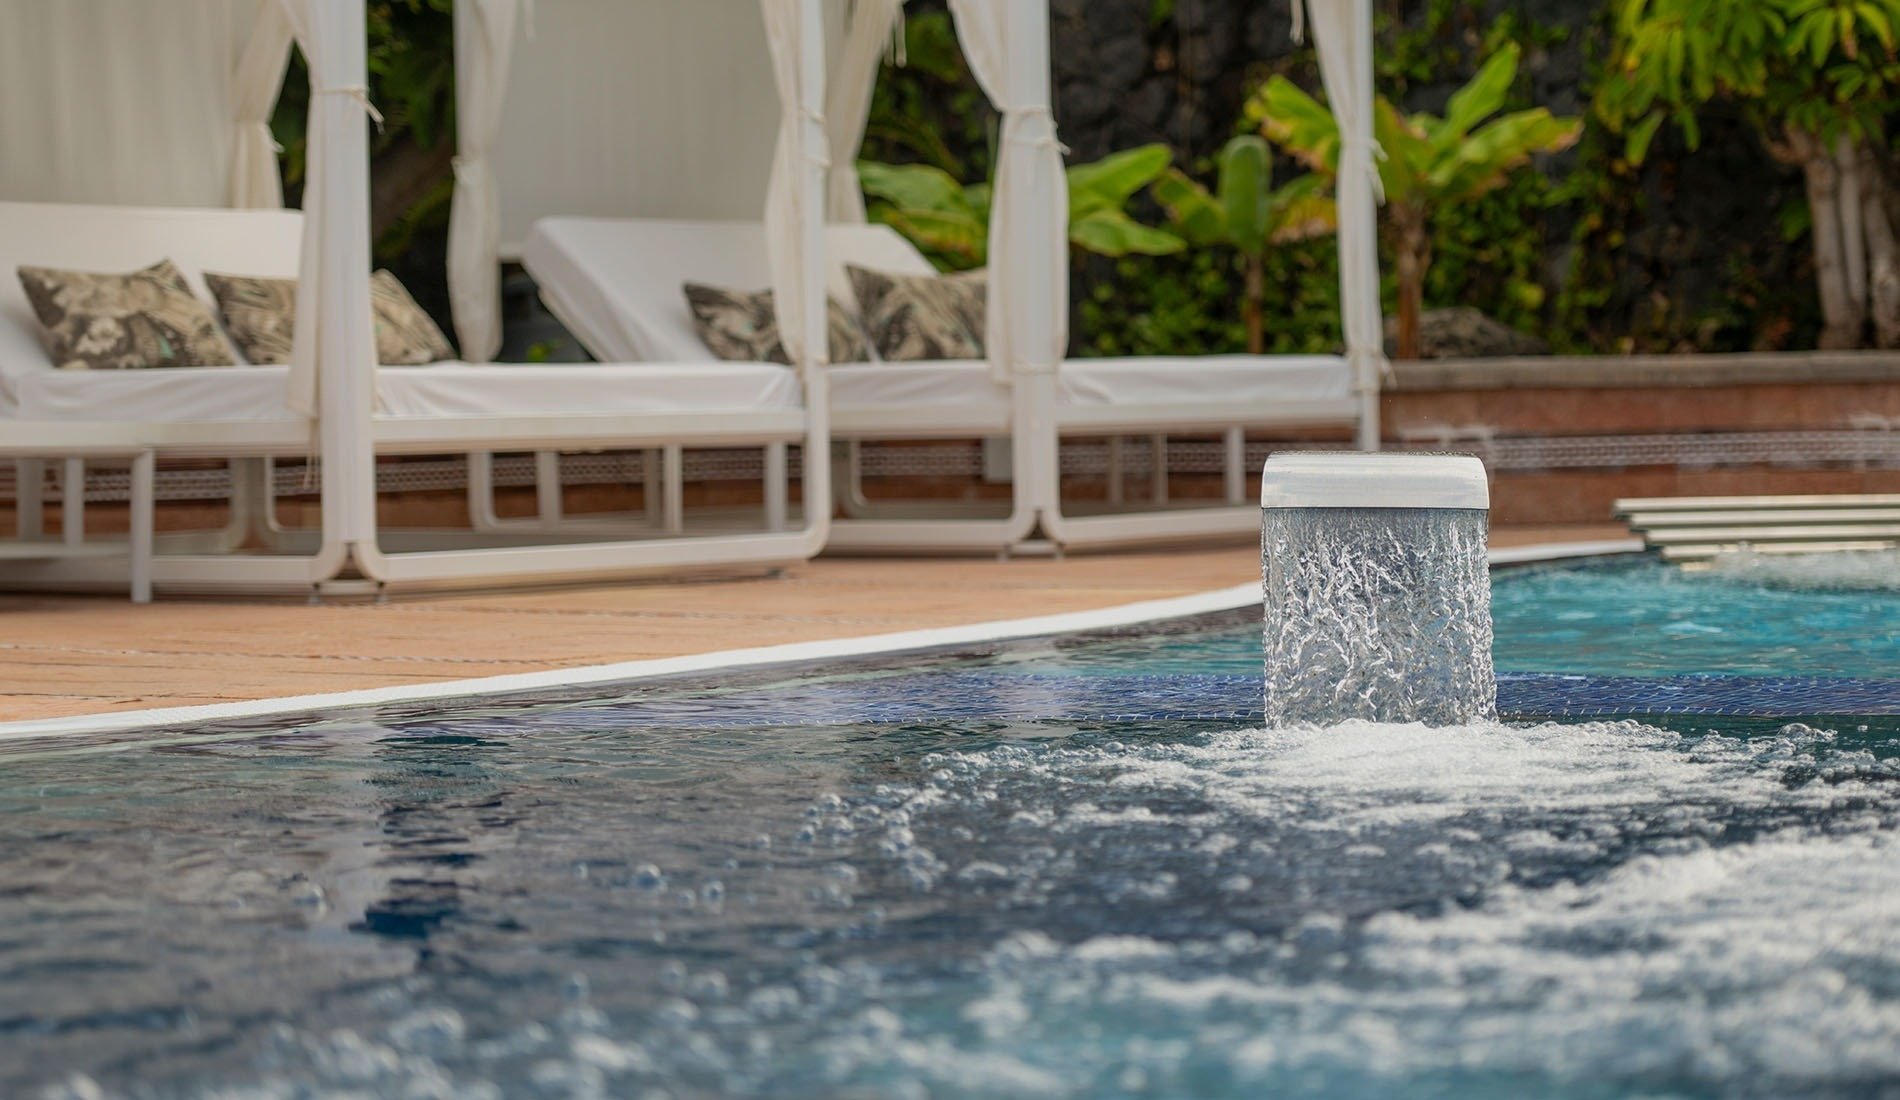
pixel 1059 867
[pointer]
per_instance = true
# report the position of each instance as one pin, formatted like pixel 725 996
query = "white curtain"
pixel 794 216
pixel 1006 43
pixel 254 86
pixel 333 360
pixel 1342 33
pixel 122 102
pixel 848 103
pixel 484 44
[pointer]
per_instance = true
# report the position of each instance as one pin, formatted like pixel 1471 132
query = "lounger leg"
pixel 852 484
pixel 650 483
pixel 1158 469
pixel 72 502
pixel 673 493
pixel 144 479
pixel 776 489
pixel 267 498
pixel 1236 466
pixel 29 492
pixel 481 491
pixel 1115 487
pixel 547 487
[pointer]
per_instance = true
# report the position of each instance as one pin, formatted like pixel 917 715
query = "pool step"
pixel 1694 529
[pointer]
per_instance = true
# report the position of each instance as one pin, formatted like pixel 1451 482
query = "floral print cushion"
pixel 743 326
pixel 147 318
pixel 262 317
pixel 916 317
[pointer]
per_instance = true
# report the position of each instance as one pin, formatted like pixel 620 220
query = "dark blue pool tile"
pixel 1007 696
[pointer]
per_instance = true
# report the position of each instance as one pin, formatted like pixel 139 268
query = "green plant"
pixel 949 221
pixel 1817 79
pixel 1429 162
pixel 1247 213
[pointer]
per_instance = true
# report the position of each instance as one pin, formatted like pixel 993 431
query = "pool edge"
pixel 867 645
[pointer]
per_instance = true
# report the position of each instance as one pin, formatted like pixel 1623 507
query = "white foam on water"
pixel 1860 570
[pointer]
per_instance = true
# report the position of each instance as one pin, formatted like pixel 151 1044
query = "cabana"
pixel 551 169
pixel 189 83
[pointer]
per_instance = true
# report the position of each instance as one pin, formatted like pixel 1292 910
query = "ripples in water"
pixel 983 909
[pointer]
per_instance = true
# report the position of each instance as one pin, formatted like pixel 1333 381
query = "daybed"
pixel 333 404
pixel 599 272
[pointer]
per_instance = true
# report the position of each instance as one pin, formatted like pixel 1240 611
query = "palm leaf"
pixel 1114 233
pixel 1192 210
pixel 1110 182
pixel 1479 99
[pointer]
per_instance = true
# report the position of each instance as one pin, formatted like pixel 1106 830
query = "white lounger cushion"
pixel 125 238
pixel 615 283
pixel 1238 380
pixel 268 242
pixel 442 390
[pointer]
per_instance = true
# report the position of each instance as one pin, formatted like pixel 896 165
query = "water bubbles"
pixel 430 1031
pixel 648 877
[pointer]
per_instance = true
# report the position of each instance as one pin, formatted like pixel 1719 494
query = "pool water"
pixel 678 891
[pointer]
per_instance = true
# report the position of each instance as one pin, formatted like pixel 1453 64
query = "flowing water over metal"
pixel 1382 614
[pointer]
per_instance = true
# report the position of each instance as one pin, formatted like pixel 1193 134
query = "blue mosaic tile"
pixel 1546 696
pixel 928 697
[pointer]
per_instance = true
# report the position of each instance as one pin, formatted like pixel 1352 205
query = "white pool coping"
pixel 1071 622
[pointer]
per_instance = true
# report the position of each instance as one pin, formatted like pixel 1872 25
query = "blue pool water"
pixel 1085 876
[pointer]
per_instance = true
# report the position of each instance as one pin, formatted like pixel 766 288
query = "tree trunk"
pixel 1413 257
pixel 1853 235
pixel 1883 257
pixel 1841 313
pixel 1254 307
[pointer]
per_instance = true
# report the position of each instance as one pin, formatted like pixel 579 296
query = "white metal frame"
pixel 31 443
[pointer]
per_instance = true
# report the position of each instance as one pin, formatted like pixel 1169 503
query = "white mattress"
pixel 442 390
pixel 616 282
pixel 1168 380
pixel 268 242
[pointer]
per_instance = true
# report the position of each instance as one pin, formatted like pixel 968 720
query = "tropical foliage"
pixel 1429 161
pixel 1246 213
pixel 1817 79
pixel 949 221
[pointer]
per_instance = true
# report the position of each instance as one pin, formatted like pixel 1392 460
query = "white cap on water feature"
pixel 1367 479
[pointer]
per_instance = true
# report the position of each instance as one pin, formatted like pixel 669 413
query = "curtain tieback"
pixel 1044 138
pixel 262 127
pixel 360 94
pixel 817 154
pixel 1371 380
pixel 470 170
pixel 1371 153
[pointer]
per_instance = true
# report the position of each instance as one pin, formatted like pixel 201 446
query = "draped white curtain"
pixel 1006 43
pixel 484 44
pixel 1342 34
pixel 122 102
pixel 850 84
pixel 794 215
pixel 333 360
pixel 255 82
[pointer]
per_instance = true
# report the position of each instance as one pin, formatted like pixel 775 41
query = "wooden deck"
pixel 63 656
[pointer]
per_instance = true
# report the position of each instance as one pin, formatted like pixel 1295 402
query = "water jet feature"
pixel 1377 588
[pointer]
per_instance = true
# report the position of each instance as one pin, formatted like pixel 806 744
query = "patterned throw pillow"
pixel 914 317
pixel 262 316
pixel 148 318
pixel 743 326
